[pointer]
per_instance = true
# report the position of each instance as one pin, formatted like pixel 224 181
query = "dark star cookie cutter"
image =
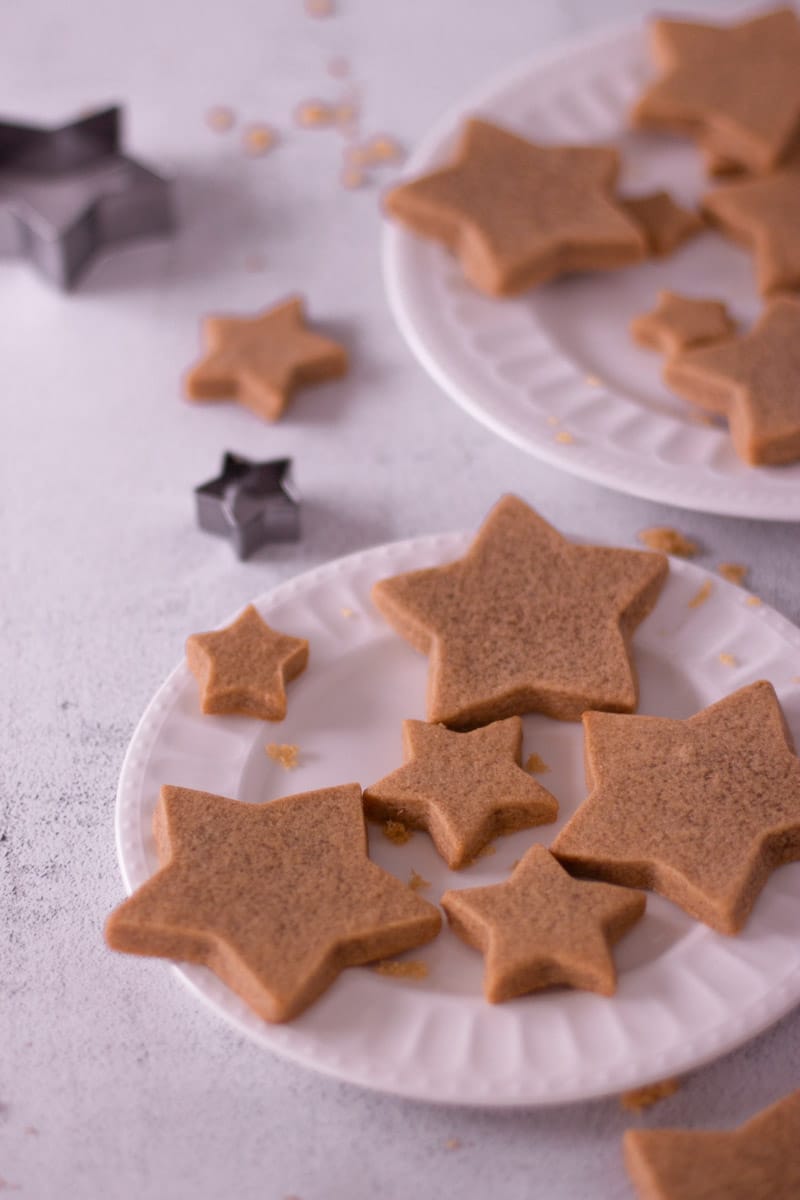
pixel 250 503
pixel 70 192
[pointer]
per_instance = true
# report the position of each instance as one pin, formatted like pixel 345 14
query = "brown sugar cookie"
pixel 678 322
pixel 701 810
pixel 764 214
pixel 276 899
pixel 753 380
pixel 542 928
pixel 463 788
pixel 737 87
pixel 526 621
pixel 261 360
pixel 245 667
pixel 664 223
pixel 517 214
pixel 758 1161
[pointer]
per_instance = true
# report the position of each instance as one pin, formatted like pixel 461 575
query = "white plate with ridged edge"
pixel 555 371
pixel 685 995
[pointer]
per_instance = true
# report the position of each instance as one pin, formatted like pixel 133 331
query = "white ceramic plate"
pixel 685 993
pixel 560 359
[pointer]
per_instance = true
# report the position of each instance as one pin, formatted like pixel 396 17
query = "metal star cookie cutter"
pixel 68 193
pixel 251 503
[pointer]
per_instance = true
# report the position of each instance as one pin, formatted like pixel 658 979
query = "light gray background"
pixel 114 1082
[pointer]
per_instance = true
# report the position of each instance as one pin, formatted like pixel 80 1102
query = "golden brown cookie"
pixel 664 223
pixel 542 928
pixel 526 621
pixel 517 214
pixel 701 810
pixel 765 215
pixel 276 899
pixel 736 87
pixel 758 1161
pixel 245 667
pixel 463 788
pixel 261 360
pixel 678 322
pixel 753 380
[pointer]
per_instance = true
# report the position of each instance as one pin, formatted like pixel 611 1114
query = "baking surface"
pixel 114 1082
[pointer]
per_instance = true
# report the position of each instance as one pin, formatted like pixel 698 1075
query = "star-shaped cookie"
pixel 701 810
pixel 463 788
pixel 275 898
pixel 517 214
pixel 758 1161
pixel 542 928
pixel 678 322
pixel 261 360
pixel 245 667
pixel 753 380
pixel 735 86
pixel 526 621
pixel 664 223
pixel 765 214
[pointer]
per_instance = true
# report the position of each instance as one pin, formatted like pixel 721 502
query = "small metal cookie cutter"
pixel 250 503
pixel 68 193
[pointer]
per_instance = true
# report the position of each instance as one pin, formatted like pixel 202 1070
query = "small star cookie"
pixel 276 899
pixel 665 224
pixel 541 928
pixel 678 322
pixel 463 788
pixel 261 360
pixel 517 214
pixel 245 667
pixel 701 811
pixel 758 1161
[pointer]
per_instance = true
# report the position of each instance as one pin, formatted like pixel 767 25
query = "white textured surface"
pixel 134 1091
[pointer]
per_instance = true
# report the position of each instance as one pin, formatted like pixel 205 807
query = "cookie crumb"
pixel 347 612
pixel 352 177
pixel 397 832
pixel 701 595
pixel 382 149
pixel 553 420
pixel 668 541
pixel 565 438
pixel 320 8
pixel 754 601
pixel 314 114
pixel 259 139
pixel 339 67
pixel 733 572
pixel 220 118
pixel 416 881
pixel 410 969
pixel 535 765
pixel 453 1144
pixel 255 262
pixel 347 114
pixel 284 754
pixel 728 660
pixel 641 1098
pixel 592 380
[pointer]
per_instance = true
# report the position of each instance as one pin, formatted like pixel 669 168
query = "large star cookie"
pixel 736 86
pixel 261 360
pixel 463 788
pixel 517 214
pixel 764 214
pixel 678 322
pixel 275 898
pixel 758 1161
pixel 245 667
pixel 701 810
pixel 754 380
pixel 525 622
pixel 541 928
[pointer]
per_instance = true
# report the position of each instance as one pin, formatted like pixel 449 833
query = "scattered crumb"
pixel 795 679
pixel 31 1130
pixel 702 595
pixel 593 380
pixel 645 1097
pixel 284 754
pixel 453 1144
pixel 255 262
pixel 536 765
pixel 320 8
pixel 552 420
pixel 382 149
pixel 352 177
pixel 346 114
pixel 338 68
pixel 668 541
pixel 565 438
pixel 348 612
pixel 728 660
pixel 314 113
pixel 397 833
pixel 753 601
pixel 259 139
pixel 409 969
pixel 220 119
pixel 733 572
pixel 416 882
